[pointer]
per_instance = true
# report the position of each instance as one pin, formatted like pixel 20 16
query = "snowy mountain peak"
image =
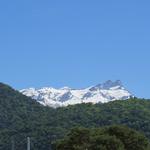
pixel 66 88
pixel 108 85
pixel 101 93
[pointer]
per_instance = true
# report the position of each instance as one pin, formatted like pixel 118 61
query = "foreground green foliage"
pixel 21 117
pixel 109 138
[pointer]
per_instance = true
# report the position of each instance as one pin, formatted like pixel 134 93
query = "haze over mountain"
pixel 101 93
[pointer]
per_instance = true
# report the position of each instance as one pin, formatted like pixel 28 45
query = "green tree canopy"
pixel 108 138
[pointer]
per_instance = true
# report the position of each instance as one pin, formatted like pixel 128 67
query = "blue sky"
pixel 75 43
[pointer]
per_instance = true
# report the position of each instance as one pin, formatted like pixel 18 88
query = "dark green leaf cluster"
pixel 108 138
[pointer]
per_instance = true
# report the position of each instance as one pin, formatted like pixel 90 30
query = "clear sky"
pixel 75 43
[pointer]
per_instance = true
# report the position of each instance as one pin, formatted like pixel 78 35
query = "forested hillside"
pixel 106 138
pixel 21 117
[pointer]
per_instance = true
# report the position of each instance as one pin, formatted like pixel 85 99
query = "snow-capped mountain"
pixel 101 93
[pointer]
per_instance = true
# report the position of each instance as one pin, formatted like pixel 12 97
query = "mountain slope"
pixel 20 116
pixel 101 93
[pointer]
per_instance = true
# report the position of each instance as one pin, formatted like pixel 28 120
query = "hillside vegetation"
pixel 21 117
pixel 107 138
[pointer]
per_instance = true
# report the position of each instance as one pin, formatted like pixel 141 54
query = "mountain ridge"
pixel 22 117
pixel 101 93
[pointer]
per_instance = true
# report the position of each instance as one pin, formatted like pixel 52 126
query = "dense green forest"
pixel 106 138
pixel 22 117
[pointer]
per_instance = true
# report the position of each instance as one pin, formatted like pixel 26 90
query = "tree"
pixel 108 138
